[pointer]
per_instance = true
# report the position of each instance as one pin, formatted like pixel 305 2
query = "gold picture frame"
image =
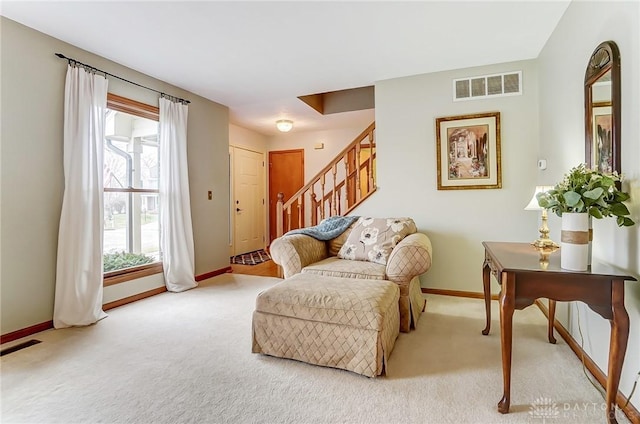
pixel 468 152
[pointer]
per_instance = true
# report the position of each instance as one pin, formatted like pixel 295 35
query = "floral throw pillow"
pixel 373 239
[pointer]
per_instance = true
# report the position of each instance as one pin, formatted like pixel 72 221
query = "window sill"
pixel 124 275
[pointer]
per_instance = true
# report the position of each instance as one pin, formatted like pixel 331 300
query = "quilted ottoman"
pixel 345 323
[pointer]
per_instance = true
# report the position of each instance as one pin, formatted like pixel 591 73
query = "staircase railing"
pixel 336 190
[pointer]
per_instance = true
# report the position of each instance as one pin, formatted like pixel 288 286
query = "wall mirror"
pixel 602 109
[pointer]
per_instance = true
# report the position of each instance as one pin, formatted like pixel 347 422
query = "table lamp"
pixel 543 242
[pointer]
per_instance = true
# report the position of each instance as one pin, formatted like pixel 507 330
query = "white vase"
pixel 574 252
pixel 590 240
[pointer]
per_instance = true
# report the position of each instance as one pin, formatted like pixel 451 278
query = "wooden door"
pixel 248 201
pixel 286 175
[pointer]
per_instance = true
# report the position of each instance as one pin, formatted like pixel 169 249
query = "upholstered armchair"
pixel 407 258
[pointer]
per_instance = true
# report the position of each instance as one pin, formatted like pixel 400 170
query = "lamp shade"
pixel 284 125
pixel 533 203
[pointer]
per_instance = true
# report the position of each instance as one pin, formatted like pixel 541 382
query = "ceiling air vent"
pixel 482 87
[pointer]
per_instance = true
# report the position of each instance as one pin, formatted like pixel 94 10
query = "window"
pixel 131 234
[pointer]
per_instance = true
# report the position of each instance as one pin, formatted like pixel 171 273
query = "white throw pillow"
pixel 373 239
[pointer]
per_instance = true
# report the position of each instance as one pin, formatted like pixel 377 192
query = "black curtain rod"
pixel 61 56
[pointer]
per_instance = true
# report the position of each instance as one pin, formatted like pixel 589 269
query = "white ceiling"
pixel 257 57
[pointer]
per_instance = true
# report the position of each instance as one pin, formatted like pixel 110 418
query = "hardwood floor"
pixel 266 269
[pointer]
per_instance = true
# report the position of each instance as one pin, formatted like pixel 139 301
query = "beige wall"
pixel 457 221
pixel 247 139
pixel 31 173
pixel 562 64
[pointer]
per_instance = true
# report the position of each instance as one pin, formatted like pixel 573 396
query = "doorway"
pixel 247 200
pixel 286 175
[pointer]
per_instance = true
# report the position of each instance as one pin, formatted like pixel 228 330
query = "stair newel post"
pixel 370 172
pixel 366 178
pixel 370 181
pixel 322 197
pixel 300 207
pixel 279 215
pixel 357 169
pixel 345 160
pixel 334 171
pixel 314 208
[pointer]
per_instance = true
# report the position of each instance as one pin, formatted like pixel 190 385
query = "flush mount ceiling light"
pixel 284 125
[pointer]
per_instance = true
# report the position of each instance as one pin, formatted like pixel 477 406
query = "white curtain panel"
pixel 78 295
pixel 176 233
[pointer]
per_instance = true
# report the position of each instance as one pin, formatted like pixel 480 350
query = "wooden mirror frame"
pixel 606 57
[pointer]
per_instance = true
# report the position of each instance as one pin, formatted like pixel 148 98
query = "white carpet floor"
pixel 186 358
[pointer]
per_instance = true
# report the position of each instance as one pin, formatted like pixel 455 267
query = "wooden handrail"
pixel 327 168
pixel 357 187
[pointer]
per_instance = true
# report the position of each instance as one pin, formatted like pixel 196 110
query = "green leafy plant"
pixel 590 191
pixel 120 260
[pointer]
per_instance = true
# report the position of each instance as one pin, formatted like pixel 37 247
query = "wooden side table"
pixel 523 279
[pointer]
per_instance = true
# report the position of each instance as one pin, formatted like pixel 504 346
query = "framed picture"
pixel 468 151
pixel 602 149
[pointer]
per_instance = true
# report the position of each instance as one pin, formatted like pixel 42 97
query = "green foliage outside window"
pixel 120 260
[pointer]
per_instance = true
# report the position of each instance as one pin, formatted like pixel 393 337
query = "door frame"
pixel 232 215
